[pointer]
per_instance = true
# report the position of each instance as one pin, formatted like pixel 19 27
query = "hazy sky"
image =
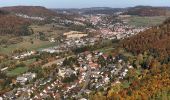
pixel 84 3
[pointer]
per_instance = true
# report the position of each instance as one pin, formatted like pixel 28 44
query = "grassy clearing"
pixel 17 71
pixel 49 30
pixel 106 50
pixel 30 61
pixel 146 21
pixel 38 44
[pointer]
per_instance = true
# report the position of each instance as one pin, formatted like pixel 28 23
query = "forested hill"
pixel 155 40
pixel 147 11
pixel 149 77
pixel 13 25
pixel 30 11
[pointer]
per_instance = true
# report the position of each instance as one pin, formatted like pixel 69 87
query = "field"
pixel 49 29
pixel 17 71
pixel 107 50
pixel 32 42
pixel 29 61
pixel 27 45
pixel 146 21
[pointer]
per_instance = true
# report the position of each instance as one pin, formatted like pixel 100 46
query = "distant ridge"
pixel 137 10
pixel 30 10
pixel 92 10
pixel 147 11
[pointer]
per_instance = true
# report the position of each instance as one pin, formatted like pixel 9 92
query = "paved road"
pixel 87 79
pixel 86 83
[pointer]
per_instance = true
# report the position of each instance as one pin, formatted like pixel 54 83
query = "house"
pixel 30 75
pixel 26 54
pixel 61 72
pixel 94 65
pixel 130 67
pixel 83 99
pixel 52 40
pixel 25 78
pixel 21 80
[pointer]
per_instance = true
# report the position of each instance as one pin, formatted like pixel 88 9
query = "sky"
pixel 84 3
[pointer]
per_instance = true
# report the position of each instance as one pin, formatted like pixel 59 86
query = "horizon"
pixel 68 4
pixel 84 7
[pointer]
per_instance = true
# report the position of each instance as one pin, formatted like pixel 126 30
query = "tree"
pixel 102 61
pixel 42 36
pixel 109 59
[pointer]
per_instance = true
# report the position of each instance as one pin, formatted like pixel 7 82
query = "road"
pixel 87 79
pixel 86 83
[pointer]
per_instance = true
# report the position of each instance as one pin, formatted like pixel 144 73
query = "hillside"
pixel 30 10
pixel 147 11
pixel 13 25
pixel 3 12
pixel 155 40
pixel 148 52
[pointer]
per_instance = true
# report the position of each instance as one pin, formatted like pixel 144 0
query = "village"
pixel 84 50
pixel 91 36
pixel 91 71
pixel 75 76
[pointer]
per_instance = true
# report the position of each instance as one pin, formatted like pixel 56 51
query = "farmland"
pixel 31 42
pixel 26 45
pixel 146 21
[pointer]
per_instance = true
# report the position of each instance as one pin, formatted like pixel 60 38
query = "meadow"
pixel 17 71
pixel 146 21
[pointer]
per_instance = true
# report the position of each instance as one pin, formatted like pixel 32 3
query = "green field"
pixel 27 40
pixel 107 50
pixel 146 21
pixel 17 71
pixel 29 61
pixel 26 45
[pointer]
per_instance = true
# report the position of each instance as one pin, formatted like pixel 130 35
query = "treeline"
pixel 154 40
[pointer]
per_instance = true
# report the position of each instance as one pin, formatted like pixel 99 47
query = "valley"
pixel 98 53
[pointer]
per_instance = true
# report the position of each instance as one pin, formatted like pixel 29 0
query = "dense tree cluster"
pixel 10 24
pixel 154 40
pixel 149 85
